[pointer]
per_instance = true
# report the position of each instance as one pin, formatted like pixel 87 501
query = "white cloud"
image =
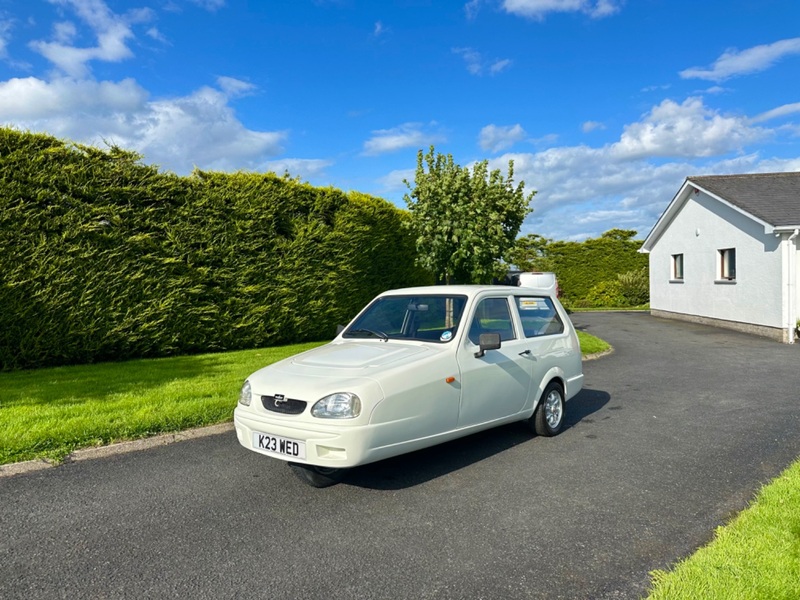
pixel 210 5
pixel 32 101
pixel 478 65
pixel 111 30
pixel 5 36
pixel 472 58
pixel 203 129
pixel 495 138
pixel 689 129
pixel 472 7
pixel 200 129
pixel 235 88
pixel 407 135
pixel 752 60
pixel 499 66
pixel 155 34
pixel 396 179
pixel 64 32
pixel 583 191
pixel 590 126
pixel 304 168
pixel 775 113
pixel 538 9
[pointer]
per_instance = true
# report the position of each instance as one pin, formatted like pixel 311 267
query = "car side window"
pixel 492 316
pixel 539 316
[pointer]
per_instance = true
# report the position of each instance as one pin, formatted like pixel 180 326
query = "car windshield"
pixel 431 318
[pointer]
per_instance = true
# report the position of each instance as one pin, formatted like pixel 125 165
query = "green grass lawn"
pixel 48 413
pixel 757 556
pixel 591 344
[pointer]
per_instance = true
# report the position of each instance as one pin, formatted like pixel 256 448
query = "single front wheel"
pixel 318 477
pixel 549 416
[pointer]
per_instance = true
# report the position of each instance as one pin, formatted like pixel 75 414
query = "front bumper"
pixel 326 444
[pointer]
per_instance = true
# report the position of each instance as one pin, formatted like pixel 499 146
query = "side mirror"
pixel 488 341
pixel 339 329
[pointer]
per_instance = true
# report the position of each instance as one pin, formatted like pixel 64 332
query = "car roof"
pixel 471 290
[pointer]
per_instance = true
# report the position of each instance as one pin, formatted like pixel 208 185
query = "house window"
pixel 727 264
pixel 677 267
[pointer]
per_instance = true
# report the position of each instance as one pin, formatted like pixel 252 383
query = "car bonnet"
pixel 356 356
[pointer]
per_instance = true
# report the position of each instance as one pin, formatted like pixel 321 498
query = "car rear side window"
pixel 539 316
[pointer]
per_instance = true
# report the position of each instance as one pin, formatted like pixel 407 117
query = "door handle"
pixel 525 353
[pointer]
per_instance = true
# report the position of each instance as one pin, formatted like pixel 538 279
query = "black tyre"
pixel 318 477
pixel 549 416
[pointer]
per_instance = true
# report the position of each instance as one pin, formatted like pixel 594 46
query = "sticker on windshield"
pixel 446 336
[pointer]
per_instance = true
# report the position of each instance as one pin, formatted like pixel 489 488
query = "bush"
pixel 635 287
pixel 606 294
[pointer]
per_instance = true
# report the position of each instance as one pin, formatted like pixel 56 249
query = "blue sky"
pixel 605 106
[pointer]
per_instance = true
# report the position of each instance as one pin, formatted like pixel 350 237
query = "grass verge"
pixel 757 555
pixel 48 413
pixel 591 344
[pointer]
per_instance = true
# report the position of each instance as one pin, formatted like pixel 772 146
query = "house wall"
pixel 701 228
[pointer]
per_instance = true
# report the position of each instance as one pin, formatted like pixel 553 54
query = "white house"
pixel 725 253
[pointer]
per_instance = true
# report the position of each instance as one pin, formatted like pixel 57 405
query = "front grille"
pixel 286 406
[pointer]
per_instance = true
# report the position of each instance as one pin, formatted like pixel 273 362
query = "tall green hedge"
pixel 588 271
pixel 105 258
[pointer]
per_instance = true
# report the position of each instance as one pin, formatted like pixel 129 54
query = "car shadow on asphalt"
pixel 425 465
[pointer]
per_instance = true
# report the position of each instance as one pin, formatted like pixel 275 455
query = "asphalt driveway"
pixel 674 433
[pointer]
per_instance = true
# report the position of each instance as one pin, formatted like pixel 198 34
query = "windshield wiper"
pixel 378 334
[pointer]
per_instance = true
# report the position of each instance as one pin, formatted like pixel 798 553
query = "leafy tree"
pixel 463 221
pixel 619 235
pixel 529 253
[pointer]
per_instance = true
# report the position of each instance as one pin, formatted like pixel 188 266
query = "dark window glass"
pixel 492 316
pixel 431 318
pixel 539 316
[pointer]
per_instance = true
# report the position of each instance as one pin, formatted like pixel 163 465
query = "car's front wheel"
pixel 549 416
pixel 318 477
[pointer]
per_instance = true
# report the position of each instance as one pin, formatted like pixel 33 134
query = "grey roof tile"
pixel 772 197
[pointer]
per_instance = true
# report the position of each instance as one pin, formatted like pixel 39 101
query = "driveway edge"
pixel 597 355
pixel 30 466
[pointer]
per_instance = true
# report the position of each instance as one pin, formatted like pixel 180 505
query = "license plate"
pixel 279 445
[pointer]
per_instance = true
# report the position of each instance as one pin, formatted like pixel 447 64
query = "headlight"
pixel 246 394
pixel 342 405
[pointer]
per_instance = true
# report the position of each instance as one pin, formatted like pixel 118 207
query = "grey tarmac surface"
pixel 673 434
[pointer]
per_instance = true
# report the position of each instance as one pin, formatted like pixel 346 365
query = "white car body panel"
pixel 413 393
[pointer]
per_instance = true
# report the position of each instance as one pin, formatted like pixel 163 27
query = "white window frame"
pixel 726 269
pixel 677 267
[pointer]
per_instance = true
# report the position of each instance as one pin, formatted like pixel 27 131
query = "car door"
pixel 497 384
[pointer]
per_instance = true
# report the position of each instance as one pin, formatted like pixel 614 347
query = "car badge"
pixel 279 399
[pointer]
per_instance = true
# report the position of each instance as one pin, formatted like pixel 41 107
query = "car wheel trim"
pixel 553 409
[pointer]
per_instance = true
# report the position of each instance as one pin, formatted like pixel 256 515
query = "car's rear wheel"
pixel 549 416
pixel 318 477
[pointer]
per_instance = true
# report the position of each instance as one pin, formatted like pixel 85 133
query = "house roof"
pixel 770 199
